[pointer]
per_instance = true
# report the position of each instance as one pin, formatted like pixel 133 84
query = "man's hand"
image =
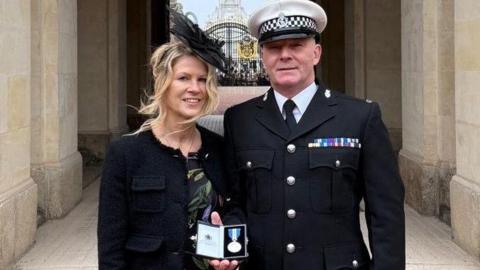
pixel 216 219
pixel 224 264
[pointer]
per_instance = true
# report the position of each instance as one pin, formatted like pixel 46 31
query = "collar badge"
pixel 328 94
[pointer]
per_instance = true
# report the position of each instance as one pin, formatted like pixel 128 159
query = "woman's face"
pixel 187 94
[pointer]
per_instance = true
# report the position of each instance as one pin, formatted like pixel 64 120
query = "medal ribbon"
pixel 234 233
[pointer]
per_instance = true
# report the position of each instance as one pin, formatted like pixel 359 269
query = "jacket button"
pixel 291 214
pixel 337 163
pixel 355 264
pixel 291 148
pixel 291 180
pixel 290 248
pixel 249 164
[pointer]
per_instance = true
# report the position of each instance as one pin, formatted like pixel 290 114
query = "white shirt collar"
pixel 301 100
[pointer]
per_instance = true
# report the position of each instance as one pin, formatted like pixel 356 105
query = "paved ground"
pixel 70 243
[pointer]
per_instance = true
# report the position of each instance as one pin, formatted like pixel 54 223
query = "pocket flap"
pixel 253 159
pixel 334 158
pixel 143 244
pixel 346 257
pixel 148 183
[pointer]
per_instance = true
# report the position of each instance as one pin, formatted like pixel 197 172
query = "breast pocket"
pixel 256 165
pixel 333 176
pixel 148 193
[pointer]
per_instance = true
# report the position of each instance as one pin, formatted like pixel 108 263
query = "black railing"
pixel 245 67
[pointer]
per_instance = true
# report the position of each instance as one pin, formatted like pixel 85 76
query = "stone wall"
pixel 18 192
pixel 465 185
pixel 427 159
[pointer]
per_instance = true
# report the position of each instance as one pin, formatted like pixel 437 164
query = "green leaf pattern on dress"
pixel 199 201
pixel 201 263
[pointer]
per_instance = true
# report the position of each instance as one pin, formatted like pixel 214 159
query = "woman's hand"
pixel 223 264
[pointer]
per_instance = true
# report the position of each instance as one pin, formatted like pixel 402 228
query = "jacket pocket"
pixel 334 172
pixel 257 168
pixel 139 243
pixel 146 252
pixel 148 193
pixel 346 257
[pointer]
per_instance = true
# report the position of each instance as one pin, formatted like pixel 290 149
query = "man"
pixel 302 157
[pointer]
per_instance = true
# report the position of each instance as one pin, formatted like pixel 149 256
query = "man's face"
pixel 289 63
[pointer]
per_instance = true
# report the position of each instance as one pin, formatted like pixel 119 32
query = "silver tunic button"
pixel 291 148
pixel 337 163
pixel 290 248
pixel 291 180
pixel 249 164
pixel 355 264
pixel 291 214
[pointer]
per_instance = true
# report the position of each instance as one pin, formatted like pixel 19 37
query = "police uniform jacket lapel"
pixel 270 117
pixel 320 110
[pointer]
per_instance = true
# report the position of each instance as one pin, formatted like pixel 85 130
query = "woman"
pixel 160 180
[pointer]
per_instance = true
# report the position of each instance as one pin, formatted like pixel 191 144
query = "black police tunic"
pixel 300 190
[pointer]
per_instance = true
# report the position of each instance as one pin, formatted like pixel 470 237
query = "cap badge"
pixel 282 20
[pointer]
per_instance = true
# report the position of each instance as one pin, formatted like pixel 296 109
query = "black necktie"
pixel 288 108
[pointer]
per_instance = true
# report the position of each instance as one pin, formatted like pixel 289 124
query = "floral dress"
pixel 203 201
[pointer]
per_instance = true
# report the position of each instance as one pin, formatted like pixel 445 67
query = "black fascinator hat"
pixel 208 48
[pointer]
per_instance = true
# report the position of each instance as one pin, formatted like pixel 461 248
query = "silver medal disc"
pixel 234 247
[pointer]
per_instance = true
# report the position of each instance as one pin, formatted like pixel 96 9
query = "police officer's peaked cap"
pixel 284 19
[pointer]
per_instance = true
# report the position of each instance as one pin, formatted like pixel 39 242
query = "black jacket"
pixel 321 186
pixel 142 217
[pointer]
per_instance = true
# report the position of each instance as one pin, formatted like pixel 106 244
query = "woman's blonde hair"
pixel 162 61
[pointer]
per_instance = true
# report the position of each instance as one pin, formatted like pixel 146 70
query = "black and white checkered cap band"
pixel 288 22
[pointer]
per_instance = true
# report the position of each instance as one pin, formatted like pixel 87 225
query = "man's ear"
pixel 317 53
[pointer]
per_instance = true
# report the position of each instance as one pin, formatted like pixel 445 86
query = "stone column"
pixel 427 158
pixel 117 67
pixel 102 76
pixel 331 69
pixel 18 192
pixel 373 61
pixel 138 52
pixel 465 185
pixel 56 163
pixel 355 48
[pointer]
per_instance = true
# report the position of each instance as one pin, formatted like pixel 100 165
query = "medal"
pixel 234 246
